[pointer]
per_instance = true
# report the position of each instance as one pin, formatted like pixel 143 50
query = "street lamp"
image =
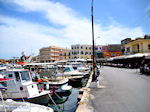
pixel 96 39
pixel 93 48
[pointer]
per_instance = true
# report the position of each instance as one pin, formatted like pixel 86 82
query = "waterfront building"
pixel 98 51
pixel 51 54
pixel 67 54
pixel 139 45
pixel 83 51
pixel 2 61
pixel 123 42
pixel 111 50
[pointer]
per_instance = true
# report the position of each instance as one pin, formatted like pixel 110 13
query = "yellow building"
pixel 139 45
pixel 67 54
pixel 51 53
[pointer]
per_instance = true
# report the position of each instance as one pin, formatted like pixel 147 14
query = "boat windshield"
pixel 68 69
pixel 25 76
pixel 2 85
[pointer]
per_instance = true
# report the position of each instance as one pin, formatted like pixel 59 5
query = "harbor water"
pixel 69 104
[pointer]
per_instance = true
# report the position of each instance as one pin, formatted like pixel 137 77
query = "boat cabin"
pixel 21 86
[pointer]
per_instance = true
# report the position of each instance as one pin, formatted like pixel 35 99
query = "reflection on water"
pixel 68 104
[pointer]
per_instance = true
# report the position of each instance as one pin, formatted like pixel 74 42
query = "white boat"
pixel 71 74
pixel 58 85
pixel 83 69
pixel 13 106
pixel 69 71
pixel 22 87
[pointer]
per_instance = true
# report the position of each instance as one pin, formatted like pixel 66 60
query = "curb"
pixel 83 103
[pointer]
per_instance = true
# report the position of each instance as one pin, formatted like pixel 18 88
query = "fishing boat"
pixel 49 81
pixel 83 69
pixel 58 85
pixel 21 87
pixel 69 71
pixel 71 74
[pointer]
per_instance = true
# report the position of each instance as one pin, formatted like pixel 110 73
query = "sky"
pixel 28 25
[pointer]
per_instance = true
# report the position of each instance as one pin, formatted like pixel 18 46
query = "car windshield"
pixel 25 76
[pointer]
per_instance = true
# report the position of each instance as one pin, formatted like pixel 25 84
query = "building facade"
pixel 123 42
pixel 83 51
pixel 67 54
pixel 111 50
pixel 139 45
pixel 51 54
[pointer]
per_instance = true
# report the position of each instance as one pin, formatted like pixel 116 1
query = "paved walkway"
pixel 121 90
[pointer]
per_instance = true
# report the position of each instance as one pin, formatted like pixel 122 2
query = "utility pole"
pixel 93 57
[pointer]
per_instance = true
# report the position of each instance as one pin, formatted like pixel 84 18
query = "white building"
pixel 83 51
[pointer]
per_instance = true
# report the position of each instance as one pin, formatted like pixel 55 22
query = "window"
pixel 81 47
pixel 149 46
pixel 81 52
pixel 89 48
pixel 96 48
pixel 128 49
pixel 10 75
pixel 138 48
pixel 25 76
pixel 17 76
pixel 3 84
pixel 86 48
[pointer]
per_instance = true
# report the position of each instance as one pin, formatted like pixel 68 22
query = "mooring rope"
pixel 58 96
pixel 53 102
pixel 3 101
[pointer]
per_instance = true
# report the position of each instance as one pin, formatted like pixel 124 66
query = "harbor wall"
pixel 83 104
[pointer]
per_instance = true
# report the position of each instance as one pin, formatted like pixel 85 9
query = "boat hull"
pixel 56 87
pixel 40 99
pixel 44 99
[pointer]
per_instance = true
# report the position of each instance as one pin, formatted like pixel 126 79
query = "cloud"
pixel 19 35
pixel 53 11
